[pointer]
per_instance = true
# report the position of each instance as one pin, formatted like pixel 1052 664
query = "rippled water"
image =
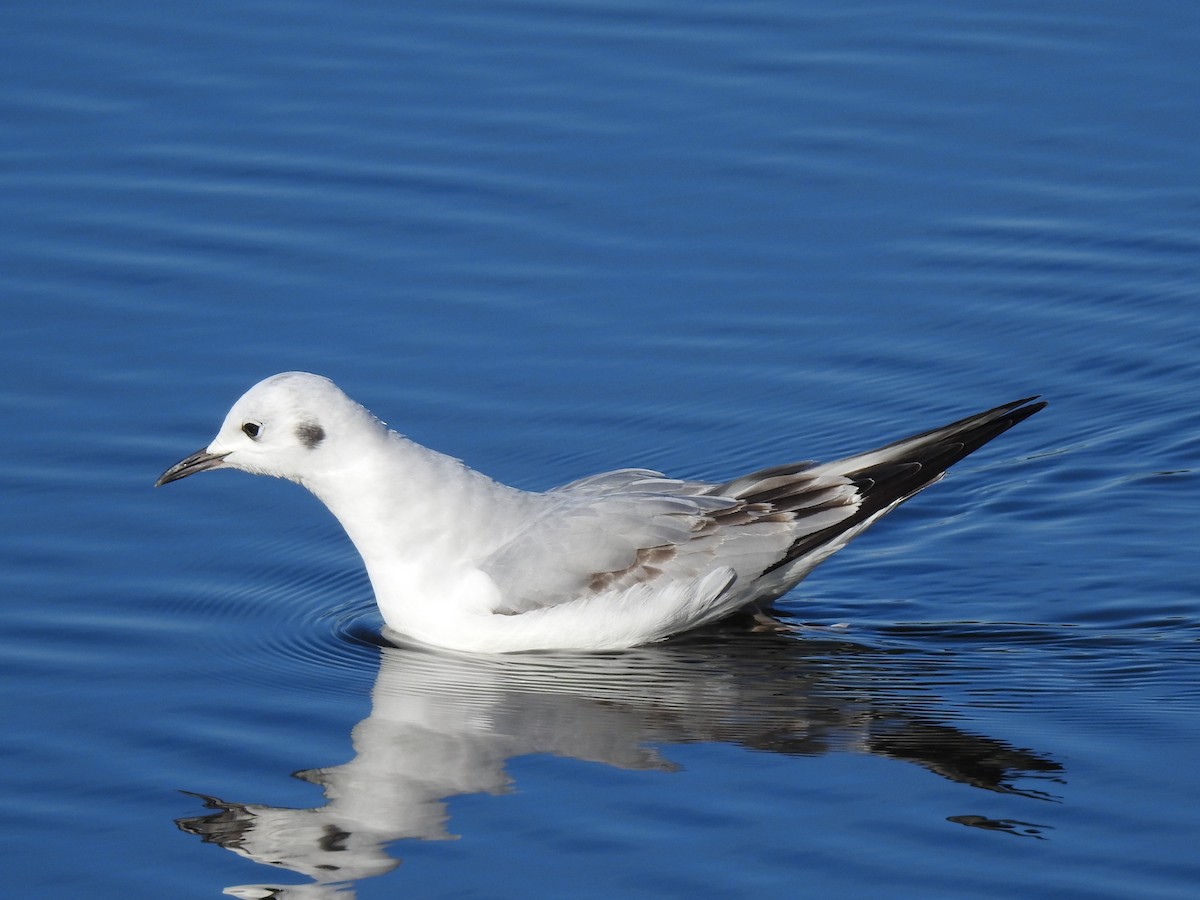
pixel 554 239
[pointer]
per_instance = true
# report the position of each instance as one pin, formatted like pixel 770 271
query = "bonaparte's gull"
pixel 612 561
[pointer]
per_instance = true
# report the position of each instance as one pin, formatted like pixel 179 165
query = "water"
pixel 553 239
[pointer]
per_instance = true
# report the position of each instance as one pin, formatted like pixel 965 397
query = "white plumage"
pixel 611 561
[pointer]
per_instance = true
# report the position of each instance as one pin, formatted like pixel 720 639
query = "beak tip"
pixel 199 461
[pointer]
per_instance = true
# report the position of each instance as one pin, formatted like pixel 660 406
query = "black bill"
pixel 197 462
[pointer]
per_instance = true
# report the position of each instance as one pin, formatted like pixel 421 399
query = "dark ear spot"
pixel 310 434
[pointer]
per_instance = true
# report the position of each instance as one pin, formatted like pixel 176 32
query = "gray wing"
pixel 619 529
pixel 614 530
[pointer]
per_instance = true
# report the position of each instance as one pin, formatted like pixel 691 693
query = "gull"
pixel 460 561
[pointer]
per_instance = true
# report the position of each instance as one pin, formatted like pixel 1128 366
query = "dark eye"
pixel 251 430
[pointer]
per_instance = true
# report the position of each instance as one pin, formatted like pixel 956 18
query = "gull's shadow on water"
pixel 444 725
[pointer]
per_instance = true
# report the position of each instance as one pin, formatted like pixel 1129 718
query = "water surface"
pixel 557 238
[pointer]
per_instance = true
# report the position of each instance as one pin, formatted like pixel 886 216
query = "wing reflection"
pixel 444 725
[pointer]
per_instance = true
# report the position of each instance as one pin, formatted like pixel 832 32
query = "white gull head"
pixel 293 425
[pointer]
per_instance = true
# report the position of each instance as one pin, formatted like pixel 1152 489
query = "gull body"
pixel 623 558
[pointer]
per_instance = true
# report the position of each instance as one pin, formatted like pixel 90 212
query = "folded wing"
pixel 612 532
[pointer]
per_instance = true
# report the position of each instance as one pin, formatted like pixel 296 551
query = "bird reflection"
pixel 444 725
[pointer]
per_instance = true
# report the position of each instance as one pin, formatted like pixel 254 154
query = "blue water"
pixel 552 239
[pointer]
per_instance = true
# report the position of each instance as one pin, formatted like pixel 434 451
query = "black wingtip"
pixel 940 448
pixel 917 462
pixel 1005 417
